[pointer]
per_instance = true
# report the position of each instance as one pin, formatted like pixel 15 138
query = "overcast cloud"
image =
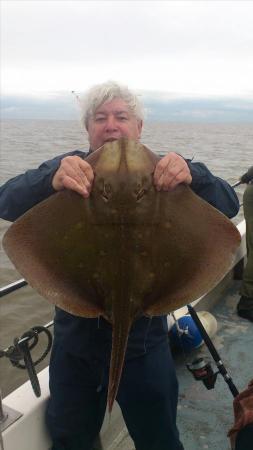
pixel 184 48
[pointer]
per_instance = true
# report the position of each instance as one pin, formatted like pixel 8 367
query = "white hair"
pixel 106 92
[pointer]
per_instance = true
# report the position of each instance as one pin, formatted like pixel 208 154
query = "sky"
pixel 165 50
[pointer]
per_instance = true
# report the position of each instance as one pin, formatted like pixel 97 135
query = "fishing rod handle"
pixel 203 333
pixel 213 351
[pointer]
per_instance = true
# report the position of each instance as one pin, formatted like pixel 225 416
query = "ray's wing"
pixel 124 251
pixel 193 248
pixel 52 246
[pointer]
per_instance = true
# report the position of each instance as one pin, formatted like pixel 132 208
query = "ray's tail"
pixel 119 344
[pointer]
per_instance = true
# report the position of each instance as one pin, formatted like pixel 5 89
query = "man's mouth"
pixel 111 139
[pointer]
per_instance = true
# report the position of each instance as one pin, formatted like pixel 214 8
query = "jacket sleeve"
pixel 24 191
pixel 213 189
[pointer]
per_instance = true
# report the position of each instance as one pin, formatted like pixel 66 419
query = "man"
pixel 80 357
pixel 245 305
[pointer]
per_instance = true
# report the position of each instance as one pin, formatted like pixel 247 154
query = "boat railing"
pixel 12 287
pixel 19 352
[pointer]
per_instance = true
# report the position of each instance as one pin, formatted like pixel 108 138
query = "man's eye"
pixel 122 118
pixel 99 119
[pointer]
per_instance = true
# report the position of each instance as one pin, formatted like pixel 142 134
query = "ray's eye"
pixel 139 191
pixel 140 194
pixel 106 192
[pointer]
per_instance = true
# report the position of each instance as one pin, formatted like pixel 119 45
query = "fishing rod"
pixel 77 97
pixel 203 371
pixel 246 178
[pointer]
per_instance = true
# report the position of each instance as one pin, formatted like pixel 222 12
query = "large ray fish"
pixel 124 252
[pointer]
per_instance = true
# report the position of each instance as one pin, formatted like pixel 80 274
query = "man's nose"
pixel 111 123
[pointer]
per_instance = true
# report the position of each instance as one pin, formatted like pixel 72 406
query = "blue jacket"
pixel 24 191
pixel 79 335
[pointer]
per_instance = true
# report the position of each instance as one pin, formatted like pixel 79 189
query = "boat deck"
pixel 205 416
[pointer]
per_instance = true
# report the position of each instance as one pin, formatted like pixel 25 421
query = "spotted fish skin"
pixel 124 252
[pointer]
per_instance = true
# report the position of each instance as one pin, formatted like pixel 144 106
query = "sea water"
pixel 227 150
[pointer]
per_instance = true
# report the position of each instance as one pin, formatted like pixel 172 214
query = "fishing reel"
pixel 203 371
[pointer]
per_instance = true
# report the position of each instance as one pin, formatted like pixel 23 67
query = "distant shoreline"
pixel 157 109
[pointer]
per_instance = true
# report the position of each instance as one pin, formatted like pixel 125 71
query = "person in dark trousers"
pixel 245 305
pixel 79 366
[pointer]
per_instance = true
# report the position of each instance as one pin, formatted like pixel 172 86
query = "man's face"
pixel 111 121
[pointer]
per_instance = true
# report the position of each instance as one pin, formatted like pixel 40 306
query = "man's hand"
pixel 74 173
pixel 170 171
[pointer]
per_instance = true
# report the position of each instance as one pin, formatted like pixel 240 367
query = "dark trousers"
pixel 147 396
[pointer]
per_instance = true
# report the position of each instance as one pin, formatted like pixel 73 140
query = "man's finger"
pixel 87 170
pixel 167 176
pixel 170 182
pixel 70 183
pixel 81 172
pixel 159 170
pixel 76 174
